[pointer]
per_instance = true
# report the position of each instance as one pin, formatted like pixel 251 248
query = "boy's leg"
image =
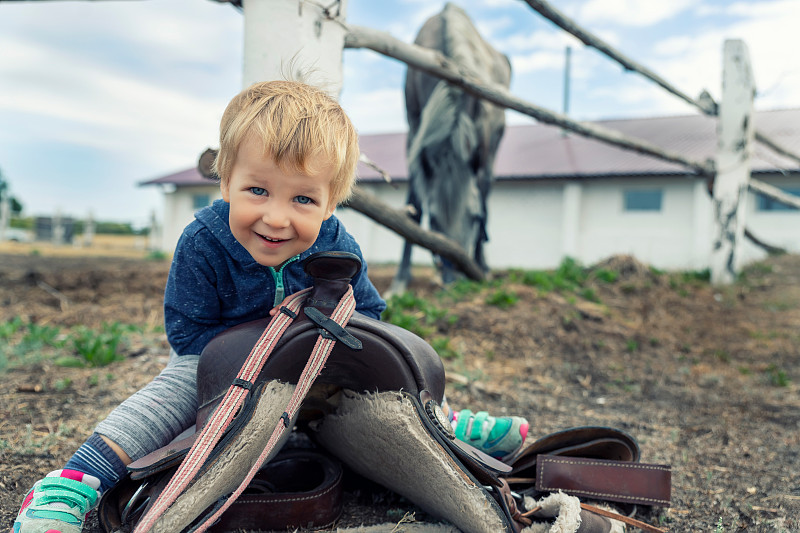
pixel 156 414
pixel 495 436
pixel 146 421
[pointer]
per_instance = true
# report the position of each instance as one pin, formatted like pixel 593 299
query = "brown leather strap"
pixel 617 481
pixel 644 526
pixel 309 494
pixel 298 488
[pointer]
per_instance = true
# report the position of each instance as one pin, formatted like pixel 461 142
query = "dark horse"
pixel 452 140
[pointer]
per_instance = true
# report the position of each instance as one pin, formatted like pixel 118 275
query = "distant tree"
pixel 113 228
pixel 16 206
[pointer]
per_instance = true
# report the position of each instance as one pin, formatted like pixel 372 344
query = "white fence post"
pixel 88 230
pixel 735 140
pixel 5 216
pixel 154 236
pixel 281 34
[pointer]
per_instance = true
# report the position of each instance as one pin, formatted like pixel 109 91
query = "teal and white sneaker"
pixel 498 437
pixel 58 503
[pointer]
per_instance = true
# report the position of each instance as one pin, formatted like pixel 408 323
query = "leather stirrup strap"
pixel 644 526
pixel 225 412
pixel 322 349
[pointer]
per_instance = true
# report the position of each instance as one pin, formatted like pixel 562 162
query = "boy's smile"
pixel 275 214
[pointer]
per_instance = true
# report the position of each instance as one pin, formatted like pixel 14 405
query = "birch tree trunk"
pixel 735 139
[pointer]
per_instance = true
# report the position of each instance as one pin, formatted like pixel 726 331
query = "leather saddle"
pixel 388 380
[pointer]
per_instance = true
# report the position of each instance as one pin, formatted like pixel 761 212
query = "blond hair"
pixel 299 126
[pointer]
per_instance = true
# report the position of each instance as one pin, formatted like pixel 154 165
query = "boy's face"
pixel 275 215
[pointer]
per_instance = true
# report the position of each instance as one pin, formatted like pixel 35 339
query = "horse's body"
pixel 452 139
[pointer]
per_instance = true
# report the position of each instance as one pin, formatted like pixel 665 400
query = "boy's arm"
pixel 191 304
pixel 368 300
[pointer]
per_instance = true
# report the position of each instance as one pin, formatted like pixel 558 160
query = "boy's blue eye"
pixel 303 200
pixel 258 191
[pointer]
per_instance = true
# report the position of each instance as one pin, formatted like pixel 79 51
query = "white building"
pixel 559 195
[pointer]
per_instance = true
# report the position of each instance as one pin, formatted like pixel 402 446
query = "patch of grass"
pixel 763 335
pixel 703 275
pixel 722 355
pixel 681 282
pixel 462 288
pixel 588 293
pixel 777 376
pixel 157 255
pixel 63 384
pixel 755 270
pixel 605 275
pixel 569 276
pixel 444 348
pixel 415 314
pixel 27 343
pixel 502 298
pixel 38 335
pixel 9 328
pixel 780 305
pixel 99 348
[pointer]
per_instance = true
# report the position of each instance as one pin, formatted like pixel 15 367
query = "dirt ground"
pixel 706 379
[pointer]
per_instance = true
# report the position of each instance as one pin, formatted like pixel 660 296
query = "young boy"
pixel 287 158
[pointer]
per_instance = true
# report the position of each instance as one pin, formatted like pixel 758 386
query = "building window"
pixel 643 199
pixel 200 201
pixel 768 204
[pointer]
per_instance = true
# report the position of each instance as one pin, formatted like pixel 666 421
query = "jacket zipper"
pixel 277 275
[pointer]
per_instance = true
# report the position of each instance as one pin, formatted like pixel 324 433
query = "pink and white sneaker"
pixel 58 503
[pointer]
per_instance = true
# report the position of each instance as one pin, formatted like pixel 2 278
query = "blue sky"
pixel 97 96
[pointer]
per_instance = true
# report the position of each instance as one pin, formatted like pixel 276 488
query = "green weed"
pixel 99 348
pixel 777 376
pixel 63 384
pixel 606 276
pixel 502 298
pixel 7 329
pixel 157 255
pixel 444 348
pixel 462 288
pixel 43 335
pixel 414 314
pixel 722 355
pixel 588 293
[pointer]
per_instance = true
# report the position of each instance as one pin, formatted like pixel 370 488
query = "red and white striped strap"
pixel 224 413
pixel 319 355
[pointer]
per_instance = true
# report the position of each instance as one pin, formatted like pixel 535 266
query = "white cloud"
pixel 378 111
pixel 631 12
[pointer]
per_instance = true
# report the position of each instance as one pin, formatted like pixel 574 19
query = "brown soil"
pixel 706 379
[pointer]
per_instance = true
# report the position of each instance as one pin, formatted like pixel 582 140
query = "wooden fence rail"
pixel 705 104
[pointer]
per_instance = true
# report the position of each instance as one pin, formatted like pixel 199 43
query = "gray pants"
pixel 155 415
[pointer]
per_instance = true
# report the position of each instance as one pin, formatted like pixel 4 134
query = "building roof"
pixel 540 151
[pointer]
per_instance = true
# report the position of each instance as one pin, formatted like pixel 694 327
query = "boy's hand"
pixel 274 311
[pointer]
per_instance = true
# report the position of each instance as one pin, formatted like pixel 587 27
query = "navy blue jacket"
pixel 214 283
